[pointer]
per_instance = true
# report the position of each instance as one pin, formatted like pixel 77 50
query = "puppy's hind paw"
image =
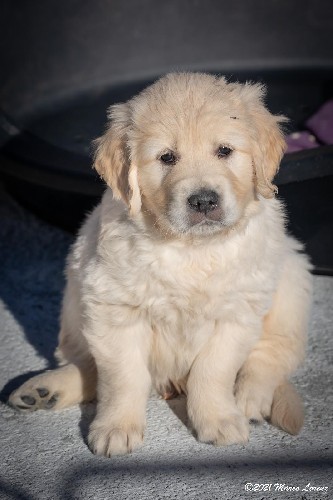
pixel 229 429
pixel 254 400
pixel 33 398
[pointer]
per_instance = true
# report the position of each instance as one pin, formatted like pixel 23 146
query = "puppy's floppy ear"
pixel 268 140
pixel 112 158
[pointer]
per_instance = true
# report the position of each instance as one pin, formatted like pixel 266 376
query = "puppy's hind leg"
pixel 70 384
pixel 75 379
pixel 53 389
pixel 262 389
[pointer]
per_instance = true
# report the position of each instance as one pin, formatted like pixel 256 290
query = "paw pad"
pixel 42 392
pixel 38 398
pixel 28 400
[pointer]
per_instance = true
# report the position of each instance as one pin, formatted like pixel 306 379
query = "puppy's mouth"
pixel 201 218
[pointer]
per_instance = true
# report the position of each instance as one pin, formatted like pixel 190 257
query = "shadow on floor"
pixel 32 256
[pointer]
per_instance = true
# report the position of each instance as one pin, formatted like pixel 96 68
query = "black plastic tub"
pixel 63 64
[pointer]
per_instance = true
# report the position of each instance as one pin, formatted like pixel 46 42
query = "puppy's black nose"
pixel 203 201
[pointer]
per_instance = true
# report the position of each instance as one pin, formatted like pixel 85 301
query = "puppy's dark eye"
pixel 224 151
pixel 168 158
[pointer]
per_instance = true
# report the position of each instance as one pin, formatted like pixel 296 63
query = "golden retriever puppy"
pixel 183 278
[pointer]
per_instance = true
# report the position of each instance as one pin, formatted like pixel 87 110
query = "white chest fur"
pixel 179 291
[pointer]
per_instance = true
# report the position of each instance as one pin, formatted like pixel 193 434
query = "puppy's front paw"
pixel 231 428
pixel 111 439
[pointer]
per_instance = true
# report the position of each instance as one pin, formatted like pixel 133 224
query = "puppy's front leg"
pixel 123 385
pixel 211 403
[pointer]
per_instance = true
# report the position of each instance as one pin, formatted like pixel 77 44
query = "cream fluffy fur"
pixel 212 303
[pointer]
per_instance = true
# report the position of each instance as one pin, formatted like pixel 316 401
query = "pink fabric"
pixel 300 140
pixel 319 131
pixel 321 123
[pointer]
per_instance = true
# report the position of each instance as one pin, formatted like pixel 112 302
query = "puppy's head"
pixel 191 152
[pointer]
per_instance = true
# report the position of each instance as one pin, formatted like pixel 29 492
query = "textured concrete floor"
pixel 45 456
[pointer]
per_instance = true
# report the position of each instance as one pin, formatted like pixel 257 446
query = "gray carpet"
pixel 45 456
